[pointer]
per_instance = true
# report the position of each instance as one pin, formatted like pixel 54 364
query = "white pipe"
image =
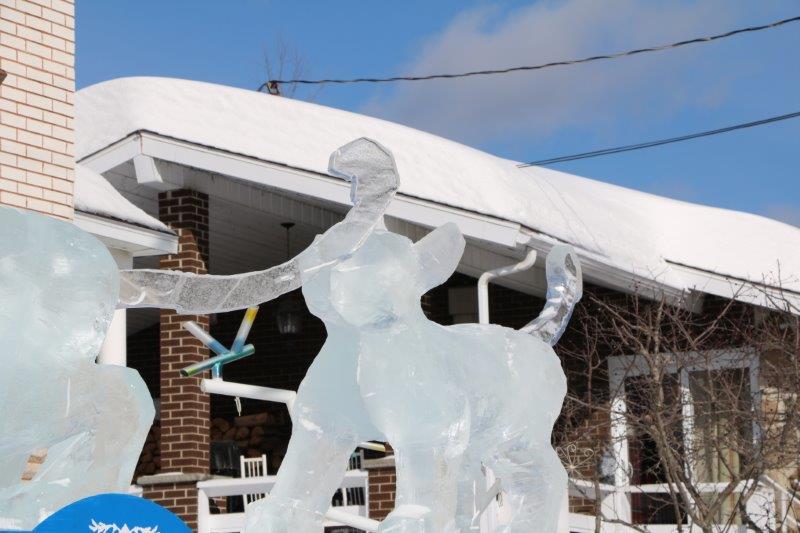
pixel 374 446
pixel 352 520
pixel 483 283
pixel 267 394
pixel 486 500
pixel 488 516
pixel 254 392
pixel 203 512
pixel 114 350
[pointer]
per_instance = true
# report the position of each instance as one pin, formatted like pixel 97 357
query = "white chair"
pixel 352 495
pixel 253 467
pixel 356 460
pixel 355 495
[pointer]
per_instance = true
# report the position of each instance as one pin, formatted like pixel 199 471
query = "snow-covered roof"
pixel 626 229
pixel 94 195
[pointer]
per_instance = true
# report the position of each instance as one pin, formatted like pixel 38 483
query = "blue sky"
pixel 523 116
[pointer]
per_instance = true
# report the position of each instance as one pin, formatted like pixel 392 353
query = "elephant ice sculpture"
pixel 448 399
pixel 58 290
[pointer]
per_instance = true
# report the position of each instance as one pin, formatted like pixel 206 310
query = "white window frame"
pixel 628 366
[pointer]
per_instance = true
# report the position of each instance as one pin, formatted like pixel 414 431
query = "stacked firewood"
pixel 257 434
pixel 150 459
pixel 262 433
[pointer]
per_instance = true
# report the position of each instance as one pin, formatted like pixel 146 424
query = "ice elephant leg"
pixel 309 475
pixel 328 422
pixel 533 481
pixel 427 481
pixel 92 445
pixel 415 399
pixel 471 487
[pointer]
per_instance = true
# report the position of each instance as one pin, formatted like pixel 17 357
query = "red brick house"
pixel 224 168
pixel 198 177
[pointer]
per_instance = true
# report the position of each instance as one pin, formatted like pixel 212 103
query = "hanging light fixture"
pixel 290 311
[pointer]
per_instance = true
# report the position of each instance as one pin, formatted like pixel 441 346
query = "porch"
pixel 229 226
pixel 236 227
pixel 253 215
pixel 355 513
pixel 767 508
pixel 770 507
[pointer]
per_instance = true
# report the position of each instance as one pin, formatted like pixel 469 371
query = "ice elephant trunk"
pixel 371 170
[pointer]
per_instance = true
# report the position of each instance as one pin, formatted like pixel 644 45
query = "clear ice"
pixel 450 400
pixel 58 290
pixel 193 294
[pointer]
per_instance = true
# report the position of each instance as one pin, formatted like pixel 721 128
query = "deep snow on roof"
pixel 635 231
pixel 96 196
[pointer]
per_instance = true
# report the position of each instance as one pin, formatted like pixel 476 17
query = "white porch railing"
pixel 770 505
pixel 352 515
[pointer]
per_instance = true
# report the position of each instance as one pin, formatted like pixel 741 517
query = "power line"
pixel 272 84
pixel 650 144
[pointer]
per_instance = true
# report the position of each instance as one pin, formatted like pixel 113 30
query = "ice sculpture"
pixel 190 293
pixel 58 290
pixel 448 399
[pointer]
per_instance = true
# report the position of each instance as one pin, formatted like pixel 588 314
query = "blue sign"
pixel 112 513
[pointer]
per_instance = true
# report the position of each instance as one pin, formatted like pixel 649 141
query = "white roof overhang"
pixel 139 241
pixel 144 147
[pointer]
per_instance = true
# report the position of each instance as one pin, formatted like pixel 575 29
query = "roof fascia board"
pixel 732 288
pixel 422 212
pixel 137 240
pixel 322 186
pixel 148 174
pixel 114 154
pixel 600 272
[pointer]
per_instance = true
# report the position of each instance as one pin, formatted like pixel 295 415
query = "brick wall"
pixel 185 417
pixel 36 105
pixel 382 486
pixel 180 498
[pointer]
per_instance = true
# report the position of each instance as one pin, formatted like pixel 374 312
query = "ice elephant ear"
pixel 439 253
pixel 58 286
pixel 373 174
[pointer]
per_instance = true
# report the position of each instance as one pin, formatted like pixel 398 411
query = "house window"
pixel 462 304
pixel 706 401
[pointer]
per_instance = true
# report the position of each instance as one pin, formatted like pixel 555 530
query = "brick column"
pixel 185 409
pixel 382 486
pixel 185 414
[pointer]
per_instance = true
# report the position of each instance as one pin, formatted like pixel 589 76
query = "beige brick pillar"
pixel 37 48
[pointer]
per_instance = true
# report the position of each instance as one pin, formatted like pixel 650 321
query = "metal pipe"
pixel 216 362
pixel 267 394
pixel 483 282
pixel 485 500
pixel 374 446
pixel 203 336
pixel 244 328
pixel 254 392
pixel 352 520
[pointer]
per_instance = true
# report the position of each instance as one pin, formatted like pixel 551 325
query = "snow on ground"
pixel 96 196
pixel 628 229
